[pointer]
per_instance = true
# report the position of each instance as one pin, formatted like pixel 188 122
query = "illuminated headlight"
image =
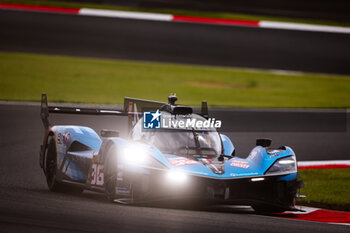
pixel 257 179
pixel 288 164
pixel 134 154
pixel 176 177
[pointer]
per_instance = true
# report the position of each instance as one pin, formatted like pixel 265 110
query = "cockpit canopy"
pixel 203 142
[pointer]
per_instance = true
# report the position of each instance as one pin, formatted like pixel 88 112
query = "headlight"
pixel 288 164
pixel 176 177
pixel 134 154
pixel 139 154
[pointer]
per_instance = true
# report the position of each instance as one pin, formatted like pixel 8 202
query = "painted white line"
pixel 303 27
pixel 326 162
pixel 125 14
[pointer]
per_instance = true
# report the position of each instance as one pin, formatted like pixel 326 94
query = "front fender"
pixel 77 138
pixel 257 163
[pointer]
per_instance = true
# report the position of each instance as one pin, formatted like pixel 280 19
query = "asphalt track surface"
pixel 26 205
pixel 185 43
pixel 337 10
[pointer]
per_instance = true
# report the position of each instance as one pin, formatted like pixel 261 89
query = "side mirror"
pixel 229 148
pixel 264 142
pixel 107 133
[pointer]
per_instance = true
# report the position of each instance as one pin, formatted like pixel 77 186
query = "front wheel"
pixel 119 187
pixel 268 209
pixel 110 176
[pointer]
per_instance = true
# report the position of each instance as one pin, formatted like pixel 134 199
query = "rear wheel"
pixel 51 170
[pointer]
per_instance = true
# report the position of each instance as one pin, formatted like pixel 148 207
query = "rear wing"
pixel 133 109
pixel 46 110
pixel 134 106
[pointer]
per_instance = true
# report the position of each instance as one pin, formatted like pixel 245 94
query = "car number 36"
pixel 97 174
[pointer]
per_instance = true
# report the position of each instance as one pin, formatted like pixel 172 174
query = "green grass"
pixel 328 188
pixel 220 15
pixel 23 77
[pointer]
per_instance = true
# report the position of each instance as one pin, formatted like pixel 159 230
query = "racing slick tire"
pixel 110 175
pixel 51 170
pixel 115 178
pixel 268 209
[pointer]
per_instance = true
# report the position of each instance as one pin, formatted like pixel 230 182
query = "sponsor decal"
pixel 241 164
pixel 273 155
pixel 130 109
pixel 178 162
pixel 66 137
pixel 63 138
pixel 123 191
pixel 59 138
pixel 244 174
pixel 97 175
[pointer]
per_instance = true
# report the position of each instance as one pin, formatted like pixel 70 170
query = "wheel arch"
pixel 107 144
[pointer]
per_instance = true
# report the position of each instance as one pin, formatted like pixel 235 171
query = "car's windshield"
pixel 186 142
pixel 201 143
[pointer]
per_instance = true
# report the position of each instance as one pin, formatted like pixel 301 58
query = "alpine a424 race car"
pixel 171 153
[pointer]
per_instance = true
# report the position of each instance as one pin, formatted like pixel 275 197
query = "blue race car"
pixel 165 160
